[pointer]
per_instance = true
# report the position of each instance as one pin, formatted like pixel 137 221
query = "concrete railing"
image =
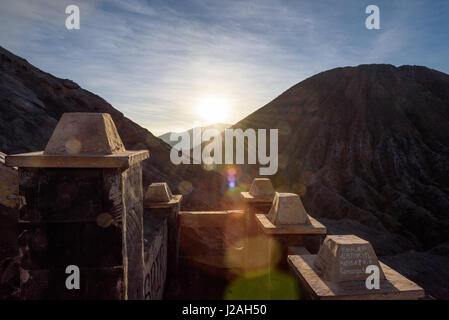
pixel 89 231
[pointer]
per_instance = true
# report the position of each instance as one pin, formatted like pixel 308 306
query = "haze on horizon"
pixel 172 65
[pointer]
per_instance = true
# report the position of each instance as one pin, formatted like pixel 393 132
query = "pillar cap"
pixel 81 140
pixel 394 286
pixel 81 133
pixel 345 258
pixel 159 194
pixel 288 216
pixel 261 190
pixel 287 208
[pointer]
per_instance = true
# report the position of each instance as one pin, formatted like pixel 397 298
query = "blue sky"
pixel 156 60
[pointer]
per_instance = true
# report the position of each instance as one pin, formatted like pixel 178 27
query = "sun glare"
pixel 213 109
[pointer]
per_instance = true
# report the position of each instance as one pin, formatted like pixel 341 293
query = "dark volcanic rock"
pixel 368 143
pixel 32 101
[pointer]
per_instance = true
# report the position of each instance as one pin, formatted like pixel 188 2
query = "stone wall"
pixel 155 245
pixel 133 209
pixel 207 238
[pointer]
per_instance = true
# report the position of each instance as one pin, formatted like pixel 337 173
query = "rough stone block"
pixel 261 188
pixel 287 208
pixel 345 258
pixel 158 192
pixel 338 273
pixel 98 284
pixel 155 235
pixel 84 133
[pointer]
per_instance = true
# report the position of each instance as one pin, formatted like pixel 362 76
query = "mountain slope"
pixel 369 143
pixel 32 101
pixel 368 149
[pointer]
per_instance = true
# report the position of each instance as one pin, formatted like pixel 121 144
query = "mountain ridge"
pixel 32 101
pixel 355 143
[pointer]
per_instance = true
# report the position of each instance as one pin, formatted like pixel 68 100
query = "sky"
pixel 172 65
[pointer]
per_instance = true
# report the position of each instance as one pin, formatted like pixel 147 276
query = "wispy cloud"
pixel 153 60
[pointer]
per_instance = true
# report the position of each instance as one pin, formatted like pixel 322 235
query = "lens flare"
pixel 231 176
pixel 104 220
pixel 276 285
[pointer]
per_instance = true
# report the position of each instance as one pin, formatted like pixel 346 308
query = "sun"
pixel 213 109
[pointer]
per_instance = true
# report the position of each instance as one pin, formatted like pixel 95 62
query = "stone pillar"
pixel 84 207
pixel 161 203
pixel 257 201
pixel 338 271
pixel 260 196
pixel 287 224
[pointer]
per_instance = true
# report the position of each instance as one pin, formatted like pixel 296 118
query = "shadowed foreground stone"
pixel 160 203
pixel 81 209
pixel 9 184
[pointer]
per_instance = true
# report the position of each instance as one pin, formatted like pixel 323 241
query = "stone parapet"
pixel 159 202
pixel 338 272
pixel 84 207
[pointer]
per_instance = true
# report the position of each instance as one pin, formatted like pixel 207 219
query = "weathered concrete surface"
pixel 261 188
pixel 132 194
pixel 84 133
pixel 288 224
pixel 156 240
pixel 158 192
pixel 345 258
pixel 267 227
pixel 91 218
pixel 287 208
pixel 38 159
pixel 207 238
pixel 393 287
pixel 168 210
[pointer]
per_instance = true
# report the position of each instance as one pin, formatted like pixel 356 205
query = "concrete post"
pixel 84 207
pixel 287 224
pixel 259 197
pixel 257 200
pixel 161 203
pixel 346 267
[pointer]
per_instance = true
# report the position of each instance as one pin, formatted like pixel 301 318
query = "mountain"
pixel 32 101
pixel 367 147
pixel 219 126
